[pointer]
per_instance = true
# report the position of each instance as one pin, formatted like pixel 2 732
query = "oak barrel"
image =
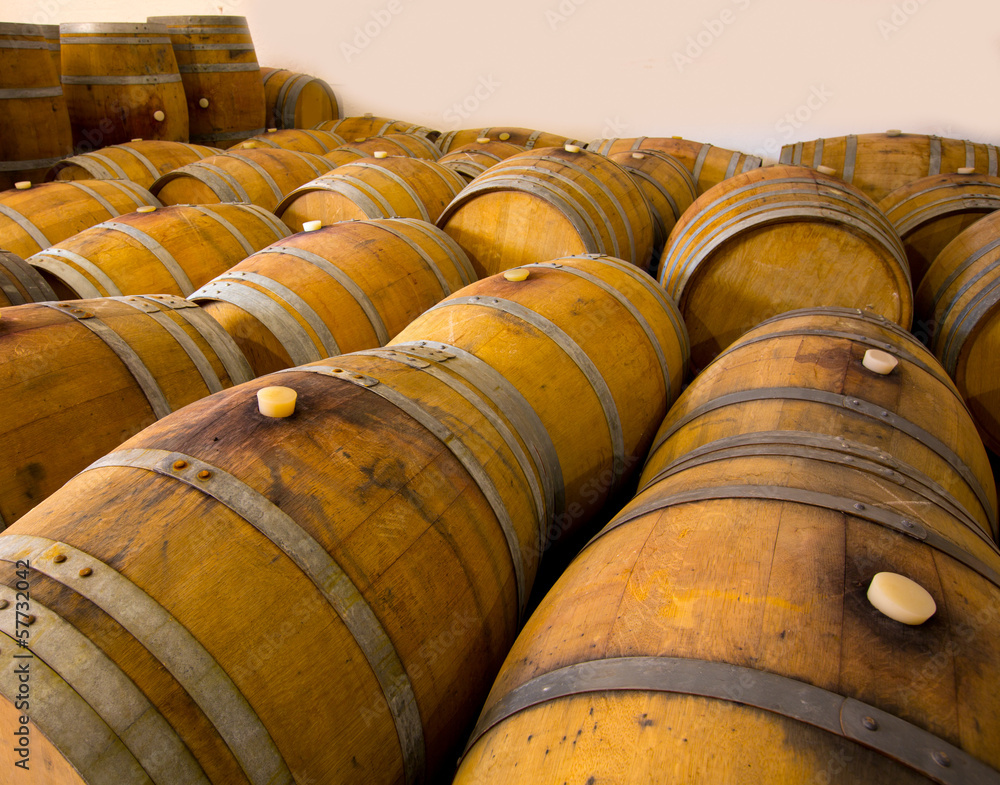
pixel 406 144
pixel 391 187
pixel 957 307
pixel 775 239
pixel 294 100
pixel 221 77
pixel 803 372
pixel 719 630
pixel 78 378
pixel 391 525
pixel 931 212
pixel 709 165
pixel 299 139
pixel 140 161
pixel 585 202
pixel 667 185
pixel 262 177
pixel 345 287
pixel 527 138
pixel 43 215
pixel 471 160
pixel 121 82
pixel 35 122
pixel 368 125
pixel 167 250
pixel 881 163
pixel 20 283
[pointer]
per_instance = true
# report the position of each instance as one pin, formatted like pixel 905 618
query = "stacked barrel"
pixel 373 373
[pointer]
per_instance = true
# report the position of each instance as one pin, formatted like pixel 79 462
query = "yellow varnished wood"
pixel 163 155
pixel 313 101
pixel 60 210
pixel 314 141
pixel 776 239
pixel 201 245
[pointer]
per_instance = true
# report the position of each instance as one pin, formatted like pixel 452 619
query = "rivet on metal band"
pixel 108 691
pixel 845 717
pixel 579 357
pixel 166 639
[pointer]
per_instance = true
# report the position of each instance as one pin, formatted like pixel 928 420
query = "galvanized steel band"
pixel 844 717
pixel 151 244
pixel 51 260
pixel 166 639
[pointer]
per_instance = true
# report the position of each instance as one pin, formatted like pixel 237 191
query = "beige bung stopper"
pixel 311 226
pixel 517 274
pixel 900 598
pixel 879 362
pixel 276 401
pixel 203 103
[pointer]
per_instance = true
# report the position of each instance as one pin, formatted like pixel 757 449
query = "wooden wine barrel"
pixel 121 82
pixel 957 306
pixel 393 187
pixel 43 215
pixel 35 120
pixel 587 204
pixel 881 163
pixel 262 177
pixel 471 160
pixel 85 375
pixel 775 239
pixel 408 144
pixel 803 373
pixel 931 212
pixel 473 318
pixel 348 522
pixel 299 139
pixel 20 283
pixel 667 185
pixel 169 250
pixel 51 35
pixel 343 155
pixel 708 164
pixel 295 100
pixel 719 630
pixel 221 77
pixel 523 137
pixel 141 161
pixel 349 286
pixel 368 125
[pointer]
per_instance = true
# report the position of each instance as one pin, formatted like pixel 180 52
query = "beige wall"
pixel 746 74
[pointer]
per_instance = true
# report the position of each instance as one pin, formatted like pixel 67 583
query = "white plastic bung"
pixel 572 148
pixel 879 362
pixel 276 401
pixel 203 103
pixel 146 208
pixel 380 154
pixel 967 170
pixel 311 226
pixel 825 169
pixel 893 132
pixel 159 116
pixel 23 185
pixel 517 274
pixel 900 598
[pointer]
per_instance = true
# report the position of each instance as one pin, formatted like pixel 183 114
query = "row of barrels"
pixel 848 251
pixel 176 78
pixel 194 300
pixel 804 589
pixel 325 596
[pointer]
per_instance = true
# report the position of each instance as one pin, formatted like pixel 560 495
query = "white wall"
pixel 744 74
